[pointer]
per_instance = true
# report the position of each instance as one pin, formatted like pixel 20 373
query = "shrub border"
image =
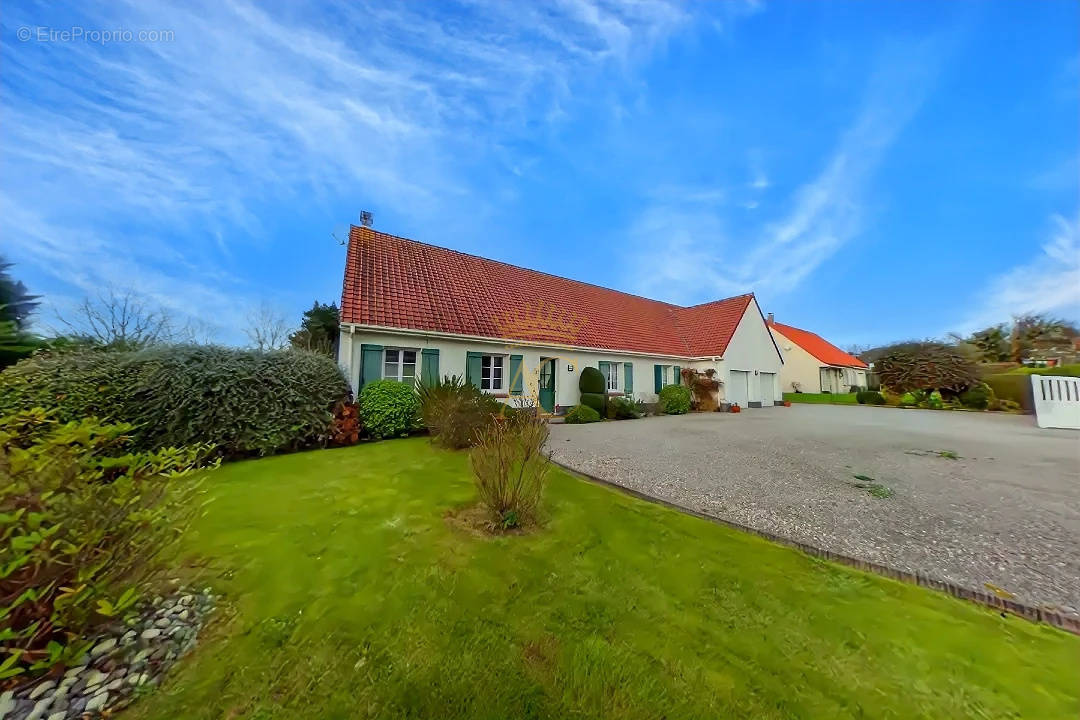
pixel 1028 612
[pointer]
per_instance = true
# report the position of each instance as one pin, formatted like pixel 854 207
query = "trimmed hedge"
pixel 592 381
pixel 244 402
pixel 389 408
pixel 581 414
pixel 869 397
pixel 620 408
pixel 978 397
pixel 1013 387
pixel 596 401
pixel 675 399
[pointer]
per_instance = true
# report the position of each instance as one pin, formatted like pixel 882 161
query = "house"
pixel 813 364
pixel 411 310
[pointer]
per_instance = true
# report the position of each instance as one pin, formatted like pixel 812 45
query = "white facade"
pixel 812 375
pixel 751 350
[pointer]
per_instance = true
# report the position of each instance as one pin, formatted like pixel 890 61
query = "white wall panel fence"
pixel 1057 401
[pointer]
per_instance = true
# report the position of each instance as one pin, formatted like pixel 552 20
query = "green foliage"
pixel 456 412
pixel 869 397
pixel 592 381
pixel 1012 387
pixel 318 330
pixel 244 402
pixel 16 302
pixel 1066 370
pixel 597 401
pixel 821 398
pixel 82 521
pixel 620 408
pixel 389 408
pixel 927 365
pixel 581 414
pixel 935 401
pixel 909 399
pixel 675 399
pixel 510 469
pixel 15 344
pixel 977 397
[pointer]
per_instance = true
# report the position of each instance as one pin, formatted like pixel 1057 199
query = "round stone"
pixel 163 622
pixel 103 647
pixel 94 678
pixel 97 702
pixel 150 634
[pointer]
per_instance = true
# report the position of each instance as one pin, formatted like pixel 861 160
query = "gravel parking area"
pixel 969 498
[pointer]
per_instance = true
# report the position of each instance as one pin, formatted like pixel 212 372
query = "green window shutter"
pixel 429 366
pixel 677 377
pixel 472 368
pixel 515 375
pixel 370 363
pixel 603 371
pixel 628 377
pixel 658 377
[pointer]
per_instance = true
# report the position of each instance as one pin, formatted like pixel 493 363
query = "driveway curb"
pixel 1028 612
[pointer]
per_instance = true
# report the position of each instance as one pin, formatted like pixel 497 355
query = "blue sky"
pixel 874 171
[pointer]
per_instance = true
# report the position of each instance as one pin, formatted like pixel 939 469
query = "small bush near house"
pixel 83 520
pixel 581 414
pixel 592 381
pixel 510 470
pixel 455 412
pixel 935 401
pixel 389 408
pixel 597 401
pixel 675 400
pixel 620 408
pixel 869 397
pixel 244 402
pixel 909 399
pixel 978 397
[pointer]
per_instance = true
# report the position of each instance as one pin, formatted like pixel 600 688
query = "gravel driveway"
pixel 1004 511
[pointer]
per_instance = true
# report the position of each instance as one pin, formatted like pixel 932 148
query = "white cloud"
pixel 824 214
pixel 1048 283
pixel 120 145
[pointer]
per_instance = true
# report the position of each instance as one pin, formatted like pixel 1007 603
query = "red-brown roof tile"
pixel 820 348
pixel 397 282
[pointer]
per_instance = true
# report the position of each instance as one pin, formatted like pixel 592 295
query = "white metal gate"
pixel 739 388
pixel 1057 401
pixel 768 393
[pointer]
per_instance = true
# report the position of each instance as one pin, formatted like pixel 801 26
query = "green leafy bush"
pixel 244 402
pixel 620 408
pixel 455 412
pixel 869 397
pixel 935 401
pixel 581 414
pixel 510 469
pixel 909 399
pixel 978 397
pixel 82 523
pixel 675 399
pixel 389 408
pixel 592 381
pixel 597 401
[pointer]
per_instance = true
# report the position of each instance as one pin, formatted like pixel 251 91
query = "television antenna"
pixel 366 218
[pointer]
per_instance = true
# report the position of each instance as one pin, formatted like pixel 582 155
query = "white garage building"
pixel 411 310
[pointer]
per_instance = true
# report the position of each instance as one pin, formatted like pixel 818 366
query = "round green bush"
pixel 675 399
pixel 909 399
pixel 873 397
pixel 244 402
pixel 935 401
pixel 581 414
pixel 389 408
pixel 597 401
pixel 978 397
pixel 592 381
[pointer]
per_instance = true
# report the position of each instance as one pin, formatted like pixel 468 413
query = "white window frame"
pixel 401 363
pixel 613 368
pixel 504 368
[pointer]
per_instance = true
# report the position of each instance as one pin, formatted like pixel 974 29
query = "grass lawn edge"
pixel 1027 612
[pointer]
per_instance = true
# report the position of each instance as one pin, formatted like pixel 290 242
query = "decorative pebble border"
pixel 126 661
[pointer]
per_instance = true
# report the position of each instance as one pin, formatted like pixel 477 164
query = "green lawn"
pixel 822 398
pixel 1068 370
pixel 353 597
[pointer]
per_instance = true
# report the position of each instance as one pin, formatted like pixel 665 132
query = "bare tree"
pixel 267 328
pixel 119 317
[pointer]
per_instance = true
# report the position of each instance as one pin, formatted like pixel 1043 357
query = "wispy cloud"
pixel 128 146
pixel 1048 283
pixel 687 253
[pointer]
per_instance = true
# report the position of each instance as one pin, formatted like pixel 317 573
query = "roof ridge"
pixel 534 270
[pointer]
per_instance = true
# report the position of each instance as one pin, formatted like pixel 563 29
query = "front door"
pixel 547 384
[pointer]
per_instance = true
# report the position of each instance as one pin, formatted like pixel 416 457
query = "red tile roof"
pixel 819 347
pixel 397 282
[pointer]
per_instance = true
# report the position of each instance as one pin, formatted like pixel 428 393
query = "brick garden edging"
pixel 1067 623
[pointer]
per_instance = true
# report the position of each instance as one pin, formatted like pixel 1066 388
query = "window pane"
pixel 408 371
pixel 391 356
pixel 485 363
pixel 409 356
pixel 496 378
pixel 485 383
pixel 497 361
pixel 390 371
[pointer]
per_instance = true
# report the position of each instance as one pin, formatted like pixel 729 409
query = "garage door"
pixel 767 390
pixel 739 390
